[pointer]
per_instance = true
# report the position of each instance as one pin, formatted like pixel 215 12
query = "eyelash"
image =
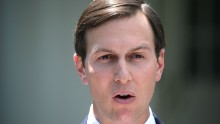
pixel 108 57
pixel 136 56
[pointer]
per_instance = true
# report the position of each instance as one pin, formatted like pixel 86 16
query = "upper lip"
pixel 121 93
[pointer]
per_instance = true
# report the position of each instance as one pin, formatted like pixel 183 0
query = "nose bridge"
pixel 122 72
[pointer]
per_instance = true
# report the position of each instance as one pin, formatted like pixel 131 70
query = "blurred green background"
pixel 39 85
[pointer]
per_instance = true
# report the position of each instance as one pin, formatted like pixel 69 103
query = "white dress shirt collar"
pixel 92 119
pixel 91 116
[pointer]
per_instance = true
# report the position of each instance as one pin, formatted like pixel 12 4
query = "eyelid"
pixel 140 54
pixel 102 59
pixel 105 55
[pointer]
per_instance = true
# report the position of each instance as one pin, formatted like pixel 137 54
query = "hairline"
pixel 117 18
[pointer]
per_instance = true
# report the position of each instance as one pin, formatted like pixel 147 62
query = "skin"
pixel 121 59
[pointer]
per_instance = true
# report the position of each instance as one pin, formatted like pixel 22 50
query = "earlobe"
pixel 80 68
pixel 160 64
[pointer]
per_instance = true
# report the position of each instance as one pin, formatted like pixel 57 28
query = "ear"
pixel 80 68
pixel 160 65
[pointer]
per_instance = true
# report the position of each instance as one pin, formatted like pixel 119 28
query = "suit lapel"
pixel 157 120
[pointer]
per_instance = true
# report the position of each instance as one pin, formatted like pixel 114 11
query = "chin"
pixel 125 117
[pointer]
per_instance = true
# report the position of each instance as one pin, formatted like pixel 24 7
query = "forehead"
pixel 135 28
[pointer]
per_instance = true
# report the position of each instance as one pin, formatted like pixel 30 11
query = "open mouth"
pixel 124 98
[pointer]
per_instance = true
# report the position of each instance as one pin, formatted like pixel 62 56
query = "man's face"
pixel 121 69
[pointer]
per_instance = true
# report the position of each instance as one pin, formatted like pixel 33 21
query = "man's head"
pixel 120 55
pixel 102 11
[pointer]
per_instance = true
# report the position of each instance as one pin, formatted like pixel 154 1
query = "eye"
pixel 136 56
pixel 106 58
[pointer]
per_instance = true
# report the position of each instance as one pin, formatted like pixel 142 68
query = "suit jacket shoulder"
pixel 85 120
pixel 157 120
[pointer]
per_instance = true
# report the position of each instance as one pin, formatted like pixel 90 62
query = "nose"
pixel 122 73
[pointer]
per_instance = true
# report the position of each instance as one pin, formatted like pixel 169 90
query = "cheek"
pixel 99 82
pixel 98 75
pixel 147 73
pixel 146 79
pixel 146 89
pixel 100 89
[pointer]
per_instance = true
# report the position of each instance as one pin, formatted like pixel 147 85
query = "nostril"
pixel 123 80
pixel 123 76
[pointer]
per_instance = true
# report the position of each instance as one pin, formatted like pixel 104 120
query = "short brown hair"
pixel 101 11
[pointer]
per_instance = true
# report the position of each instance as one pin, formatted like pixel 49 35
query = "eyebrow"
pixel 142 46
pixel 97 50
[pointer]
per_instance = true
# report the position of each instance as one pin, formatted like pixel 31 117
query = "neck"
pixel 121 118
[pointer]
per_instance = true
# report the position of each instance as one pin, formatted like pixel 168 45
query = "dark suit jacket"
pixel 155 117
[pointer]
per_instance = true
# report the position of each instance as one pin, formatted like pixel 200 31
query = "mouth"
pixel 124 98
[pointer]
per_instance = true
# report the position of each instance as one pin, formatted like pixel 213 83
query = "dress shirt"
pixel 93 120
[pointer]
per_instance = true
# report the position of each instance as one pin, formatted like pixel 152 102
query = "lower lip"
pixel 124 101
